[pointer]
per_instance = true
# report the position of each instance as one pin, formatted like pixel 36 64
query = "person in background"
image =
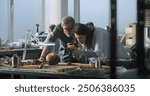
pixel 90 25
pixel 108 28
pixel 63 33
pixel 51 28
pixel 93 43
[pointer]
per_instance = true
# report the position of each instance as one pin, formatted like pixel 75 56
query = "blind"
pixel 147 1
pixel 147 17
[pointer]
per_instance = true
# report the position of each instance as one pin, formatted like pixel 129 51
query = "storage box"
pixel 130 41
pixel 131 29
pixel 130 34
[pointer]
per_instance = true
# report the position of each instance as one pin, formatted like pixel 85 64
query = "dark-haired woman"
pixel 93 43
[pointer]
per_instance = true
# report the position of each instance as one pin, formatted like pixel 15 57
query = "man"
pixel 62 32
pixel 94 43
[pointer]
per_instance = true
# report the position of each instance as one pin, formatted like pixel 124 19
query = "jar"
pixel 15 60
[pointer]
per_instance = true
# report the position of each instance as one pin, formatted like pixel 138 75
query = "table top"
pixel 75 70
pixel 18 50
pixel 10 52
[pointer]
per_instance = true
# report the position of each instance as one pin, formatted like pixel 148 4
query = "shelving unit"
pixel 143 19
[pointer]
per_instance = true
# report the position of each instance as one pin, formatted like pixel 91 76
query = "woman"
pixel 93 43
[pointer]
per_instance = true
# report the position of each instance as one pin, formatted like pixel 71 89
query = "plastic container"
pixel 15 60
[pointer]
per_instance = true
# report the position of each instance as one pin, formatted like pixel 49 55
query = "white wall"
pixel 71 8
pixel 96 11
pixel 3 19
pixel 27 14
pixel 54 11
pixel 126 13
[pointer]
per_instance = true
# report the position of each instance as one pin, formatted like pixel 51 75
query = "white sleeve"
pixel 102 41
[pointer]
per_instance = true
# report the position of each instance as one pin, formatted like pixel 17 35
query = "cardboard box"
pixel 131 29
pixel 130 41
pixel 130 34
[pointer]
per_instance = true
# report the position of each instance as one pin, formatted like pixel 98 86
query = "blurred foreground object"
pixel 52 59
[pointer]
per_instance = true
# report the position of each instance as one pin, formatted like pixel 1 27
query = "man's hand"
pixel 73 48
pixel 41 59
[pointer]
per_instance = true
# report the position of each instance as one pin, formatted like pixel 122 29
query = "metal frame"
pixel 113 38
pixel 140 37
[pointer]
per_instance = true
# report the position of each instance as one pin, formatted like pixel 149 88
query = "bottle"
pixel 15 60
pixel 98 62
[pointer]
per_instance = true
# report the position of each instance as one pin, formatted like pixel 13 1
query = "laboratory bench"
pixel 68 71
pixel 61 71
pixel 51 71
pixel 33 53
